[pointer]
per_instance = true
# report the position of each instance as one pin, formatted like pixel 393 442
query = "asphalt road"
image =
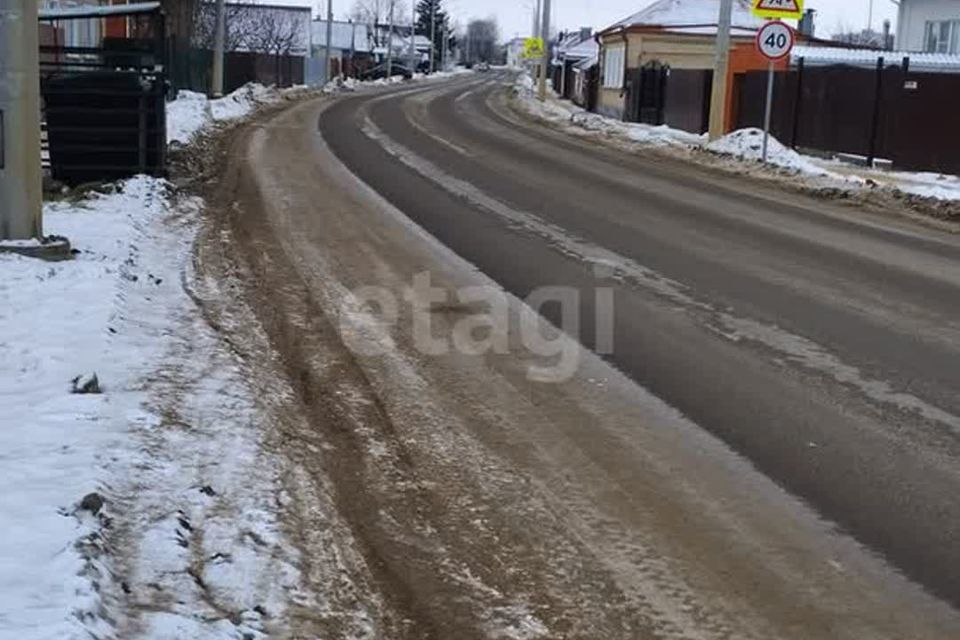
pixel 820 342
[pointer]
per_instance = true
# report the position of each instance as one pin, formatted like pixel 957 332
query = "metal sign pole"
pixel 768 110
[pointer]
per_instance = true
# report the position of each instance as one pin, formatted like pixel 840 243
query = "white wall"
pixel 914 15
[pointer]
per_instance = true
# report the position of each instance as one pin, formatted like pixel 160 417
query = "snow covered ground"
pixel 83 470
pixel 744 145
pixel 127 486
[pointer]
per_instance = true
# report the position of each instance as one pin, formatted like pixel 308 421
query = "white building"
pixel 348 38
pixel 932 26
pixel 515 49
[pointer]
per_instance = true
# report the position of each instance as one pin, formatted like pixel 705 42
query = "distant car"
pixel 483 66
pixel 380 71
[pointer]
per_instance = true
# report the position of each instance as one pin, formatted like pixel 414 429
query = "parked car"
pixel 380 71
pixel 483 66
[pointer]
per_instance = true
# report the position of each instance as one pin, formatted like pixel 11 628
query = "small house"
pixel 675 40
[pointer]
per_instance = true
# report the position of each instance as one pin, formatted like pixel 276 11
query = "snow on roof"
pixel 935 62
pixel 692 16
pixel 94 11
pixel 586 49
pixel 346 35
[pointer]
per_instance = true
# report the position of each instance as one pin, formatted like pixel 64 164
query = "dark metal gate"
pixel 646 91
pixel 104 89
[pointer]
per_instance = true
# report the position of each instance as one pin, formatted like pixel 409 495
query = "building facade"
pixel 931 26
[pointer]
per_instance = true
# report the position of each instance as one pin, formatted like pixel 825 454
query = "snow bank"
pixel 923 184
pixel 747 144
pixel 191 112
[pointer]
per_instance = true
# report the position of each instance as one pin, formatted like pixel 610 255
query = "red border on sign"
pixel 793 40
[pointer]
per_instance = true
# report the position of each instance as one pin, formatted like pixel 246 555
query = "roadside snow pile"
pixel 187 115
pixel 580 121
pixel 191 111
pixel 924 184
pixel 58 324
pixel 634 131
pixel 747 144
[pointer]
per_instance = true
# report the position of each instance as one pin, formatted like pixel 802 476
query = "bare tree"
pixel 481 40
pixel 279 33
pixel 376 13
pixel 242 22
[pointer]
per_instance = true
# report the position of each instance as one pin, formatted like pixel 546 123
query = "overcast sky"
pixel 516 16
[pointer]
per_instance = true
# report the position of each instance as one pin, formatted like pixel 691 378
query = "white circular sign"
pixel 775 40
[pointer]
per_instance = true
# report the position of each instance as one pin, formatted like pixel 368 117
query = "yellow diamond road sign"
pixel 533 48
pixel 784 9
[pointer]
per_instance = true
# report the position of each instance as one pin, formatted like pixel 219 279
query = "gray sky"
pixel 516 16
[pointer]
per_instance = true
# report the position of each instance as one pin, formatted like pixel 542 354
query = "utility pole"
pixel 328 49
pixel 718 93
pixel 545 63
pixel 390 43
pixel 219 44
pixel 20 173
pixel 444 51
pixel 413 38
pixel 536 20
pixel 433 36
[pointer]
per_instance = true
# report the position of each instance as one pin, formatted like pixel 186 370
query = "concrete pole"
pixel 444 52
pixel 21 186
pixel 219 44
pixel 536 20
pixel 718 93
pixel 413 38
pixel 433 36
pixel 389 69
pixel 545 63
pixel 328 48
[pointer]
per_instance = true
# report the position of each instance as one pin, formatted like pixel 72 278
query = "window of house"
pixel 942 36
pixel 613 62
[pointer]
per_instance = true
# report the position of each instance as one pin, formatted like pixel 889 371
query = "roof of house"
pixel 820 56
pixel 586 49
pixel 698 17
pixel 346 36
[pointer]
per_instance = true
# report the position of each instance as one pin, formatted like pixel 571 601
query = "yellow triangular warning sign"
pixel 787 9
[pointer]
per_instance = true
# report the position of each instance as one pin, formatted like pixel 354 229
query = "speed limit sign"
pixel 775 40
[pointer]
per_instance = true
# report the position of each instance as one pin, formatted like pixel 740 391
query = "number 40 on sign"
pixel 775 40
